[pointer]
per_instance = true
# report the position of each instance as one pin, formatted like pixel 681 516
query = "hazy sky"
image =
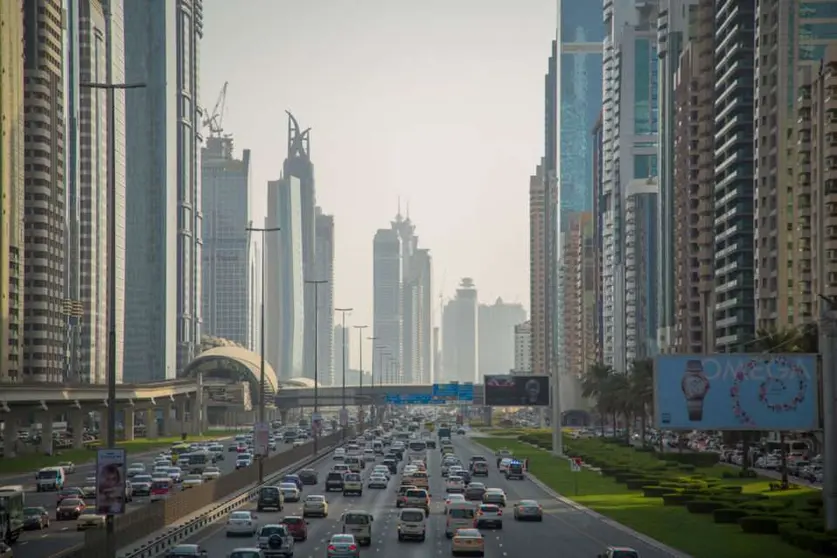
pixel 439 102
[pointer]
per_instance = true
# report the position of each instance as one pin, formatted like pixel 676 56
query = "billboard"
pixel 517 391
pixel 736 392
pixel 111 472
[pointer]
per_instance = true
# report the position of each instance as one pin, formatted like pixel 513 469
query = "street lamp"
pixel 110 87
pixel 263 231
pixel 316 417
pixel 344 419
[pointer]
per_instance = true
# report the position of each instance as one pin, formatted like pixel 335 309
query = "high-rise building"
pixel 163 228
pixel 342 342
pixel 497 323
pixel 255 262
pixel 630 126
pixel 539 269
pixel 387 283
pixel 522 348
pixel 791 35
pixel 437 355
pixel 460 336
pixel 423 277
pixel 11 190
pixel 694 170
pixel 285 279
pixel 599 207
pixel 674 25
pixel 733 175
pixel 641 260
pixel 324 270
pixel 226 274
pixel 410 358
pixel 579 96
pixel 816 231
pixel 44 125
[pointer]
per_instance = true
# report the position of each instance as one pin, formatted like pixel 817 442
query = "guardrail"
pixel 233 490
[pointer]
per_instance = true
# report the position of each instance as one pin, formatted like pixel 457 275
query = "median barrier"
pixel 147 531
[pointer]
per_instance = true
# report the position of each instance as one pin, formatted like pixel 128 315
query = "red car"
pixel 297 526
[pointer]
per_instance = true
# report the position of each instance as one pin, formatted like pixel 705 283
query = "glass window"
pixel 815 31
pixel 816 10
pixel 645 166
pixel 186 58
pixel 811 52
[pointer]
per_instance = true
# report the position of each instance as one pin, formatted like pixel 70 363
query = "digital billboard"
pixel 517 391
pixel 736 392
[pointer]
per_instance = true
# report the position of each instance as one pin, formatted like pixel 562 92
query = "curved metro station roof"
pixel 232 360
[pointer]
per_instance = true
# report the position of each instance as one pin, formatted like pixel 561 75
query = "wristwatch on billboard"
pixel 695 386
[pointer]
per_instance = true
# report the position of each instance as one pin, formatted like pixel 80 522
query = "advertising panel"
pixel 261 438
pixel 517 391
pixel 736 392
pixel 110 481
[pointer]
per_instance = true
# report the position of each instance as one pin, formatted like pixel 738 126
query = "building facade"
pixel 522 348
pixel 11 190
pixel 497 323
pixel 641 261
pixel 539 270
pixel 255 263
pixel 599 206
pixel 460 336
pixel 324 270
pixel 387 283
pixel 163 228
pixel 410 356
pixel 44 184
pixel 423 278
pixel 226 274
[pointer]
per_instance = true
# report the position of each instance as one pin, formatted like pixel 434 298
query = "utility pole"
pixel 316 419
pixel 344 417
pixel 110 88
pixel 263 231
pixel 828 350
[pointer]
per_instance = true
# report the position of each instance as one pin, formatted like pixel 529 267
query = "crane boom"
pixel 215 119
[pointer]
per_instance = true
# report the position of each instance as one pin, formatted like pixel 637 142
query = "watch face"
pixel 694 386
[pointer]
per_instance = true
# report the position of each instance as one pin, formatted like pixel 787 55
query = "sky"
pixel 438 103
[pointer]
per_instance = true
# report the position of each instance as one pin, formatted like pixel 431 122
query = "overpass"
pixel 292 397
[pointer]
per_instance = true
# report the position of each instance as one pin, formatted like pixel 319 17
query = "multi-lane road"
pixel 572 531
pixel 62 534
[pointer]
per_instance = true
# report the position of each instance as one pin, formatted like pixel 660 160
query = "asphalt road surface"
pixel 61 535
pixel 575 533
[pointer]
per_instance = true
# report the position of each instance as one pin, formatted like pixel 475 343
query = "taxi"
pixel 468 542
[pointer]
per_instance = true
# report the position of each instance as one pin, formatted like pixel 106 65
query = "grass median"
pixel 690 528
pixel 32 462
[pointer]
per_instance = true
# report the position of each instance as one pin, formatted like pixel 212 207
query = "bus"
pixel 198 461
pixel 417 449
pixel 11 512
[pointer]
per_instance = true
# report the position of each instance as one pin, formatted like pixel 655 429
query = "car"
pixel 494 496
pixel 89 487
pixel 211 473
pixel 35 518
pixel 298 442
pixel 70 508
pixel 454 498
pixel 489 515
pixel 412 524
pixel 504 464
pixel 290 491
pixel 191 481
pixel 343 546
pixel 246 552
pixel 315 505
pixel 528 510
pixel 141 485
pixel 270 497
pixel 467 542
pixel 391 464
pixel 89 520
pixel 475 491
pixel 275 540
pixel 334 481
pixel 297 526
pixel 294 479
pixel 479 469
pixel 514 470
pixel 243 460
pixel 377 480
pixel 455 484
pixel 136 469
pixel 185 551
pixel 401 497
pixel 352 484
pixel 309 477
pixel 241 523
pixel 68 466
pixel 339 454
pixel 369 455
pixel 382 469
pixel 619 552
pixel 417 498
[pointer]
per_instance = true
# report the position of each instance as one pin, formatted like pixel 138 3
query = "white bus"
pixel 417 449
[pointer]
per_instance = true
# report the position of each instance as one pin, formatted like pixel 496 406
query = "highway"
pixel 574 532
pixel 62 534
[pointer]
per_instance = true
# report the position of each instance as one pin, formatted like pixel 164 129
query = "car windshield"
pixel 462 513
pixel 412 516
pixel 456 498
pixel 240 515
pixel 315 499
pixel 468 533
pixel 33 511
pixel 192 477
pixel 343 539
pixel 47 474
pixel 356 519
pixel 287 486
pixel 269 530
pixel 353 477
pixel 527 504
pixel 71 502
pixel 245 554
pixel 212 470
pixel 292 521
pixel 142 478
pixel 416 494
pixel 270 491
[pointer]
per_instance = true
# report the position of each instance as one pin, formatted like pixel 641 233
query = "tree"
pixel 594 386
pixel 641 391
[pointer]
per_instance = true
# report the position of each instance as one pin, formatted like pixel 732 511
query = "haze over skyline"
pixel 454 112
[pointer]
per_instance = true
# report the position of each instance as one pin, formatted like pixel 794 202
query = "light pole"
pixel 316 417
pixel 360 329
pixel 110 88
pixel 343 413
pixel 263 231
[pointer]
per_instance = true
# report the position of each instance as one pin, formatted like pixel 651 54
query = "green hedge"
pixel 701 459
pixel 729 515
pixel 759 525
pixel 705 506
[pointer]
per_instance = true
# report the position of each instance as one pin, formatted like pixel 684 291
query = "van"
pixel 359 524
pixel 460 515
pixel 50 478
pixel 412 524
pixel 354 463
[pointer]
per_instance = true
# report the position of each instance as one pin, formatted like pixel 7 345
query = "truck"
pixel 444 432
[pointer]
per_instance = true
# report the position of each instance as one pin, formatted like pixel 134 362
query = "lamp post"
pixel 316 417
pixel 263 231
pixel 110 88
pixel 344 418
pixel 360 329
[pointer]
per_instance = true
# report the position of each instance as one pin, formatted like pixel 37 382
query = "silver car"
pixel 343 546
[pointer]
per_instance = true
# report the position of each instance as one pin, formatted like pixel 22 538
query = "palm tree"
pixel 593 386
pixel 641 391
pixel 617 388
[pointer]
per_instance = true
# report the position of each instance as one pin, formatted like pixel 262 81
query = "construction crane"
pixel 214 120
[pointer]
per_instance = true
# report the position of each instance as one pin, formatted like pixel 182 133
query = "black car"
pixel 270 497
pixel 309 477
pixel 334 481
pixel 392 465
pixel 514 470
pixel 431 443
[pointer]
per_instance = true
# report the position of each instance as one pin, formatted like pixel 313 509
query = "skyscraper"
pixel 424 324
pixel 255 302
pixel 324 269
pixel 43 264
pixel 539 270
pixel 163 227
pixel 460 336
pixel 523 348
pixel 497 323
pixel 410 307
pixel 11 190
pixel 387 299
pixel 285 286
pixel 225 197
pixel 641 260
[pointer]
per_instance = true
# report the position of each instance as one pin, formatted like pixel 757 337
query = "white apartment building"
pixel 387 319
pixel 523 348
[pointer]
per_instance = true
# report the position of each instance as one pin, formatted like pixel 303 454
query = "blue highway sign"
pixel 466 392
pixel 418 399
pixel 446 391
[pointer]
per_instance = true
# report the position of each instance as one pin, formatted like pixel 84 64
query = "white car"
pixel 490 515
pixel 89 520
pixel 136 469
pixel 377 480
pixel 175 474
pixel 243 460
pixel 298 443
pixel 89 487
pixel 455 484
pixel 191 481
pixel 339 454
pixel 211 473
pixel 369 455
pixel 454 499
pixel 241 523
pixel 468 540
pixel 315 505
pixel 383 470
pixel 290 491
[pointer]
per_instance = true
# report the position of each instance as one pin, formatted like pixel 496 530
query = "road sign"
pixel 261 438
pixel 446 391
pixel 466 392
pixel 416 399
pixel 575 464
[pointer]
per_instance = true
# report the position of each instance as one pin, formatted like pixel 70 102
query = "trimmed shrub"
pixel 812 541
pixel 696 459
pixel 815 501
pixel 638 484
pixel 731 489
pixel 729 515
pixel 686 467
pixel 677 499
pixel 759 525
pixel 656 491
pixel 704 506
